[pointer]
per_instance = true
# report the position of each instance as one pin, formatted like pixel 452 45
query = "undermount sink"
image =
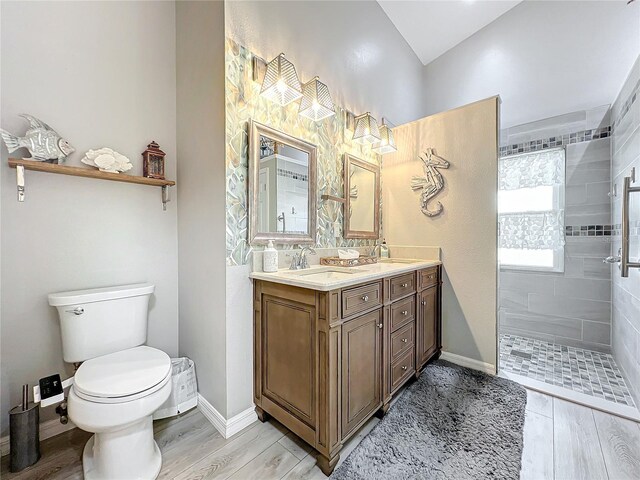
pixel 399 260
pixel 324 273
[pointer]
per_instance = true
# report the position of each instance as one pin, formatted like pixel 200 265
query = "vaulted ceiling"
pixel 433 27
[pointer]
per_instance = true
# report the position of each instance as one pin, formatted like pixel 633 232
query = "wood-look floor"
pixel 562 441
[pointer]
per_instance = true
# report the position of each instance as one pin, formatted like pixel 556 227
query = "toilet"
pixel 120 382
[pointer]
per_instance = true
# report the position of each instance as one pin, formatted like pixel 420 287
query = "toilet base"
pixel 129 453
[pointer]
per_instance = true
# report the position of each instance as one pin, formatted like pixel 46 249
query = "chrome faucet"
pixel 299 260
pixel 374 250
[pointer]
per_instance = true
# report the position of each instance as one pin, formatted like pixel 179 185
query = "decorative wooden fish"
pixel 432 182
pixel 43 142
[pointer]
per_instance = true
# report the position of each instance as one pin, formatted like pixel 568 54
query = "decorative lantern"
pixel 153 161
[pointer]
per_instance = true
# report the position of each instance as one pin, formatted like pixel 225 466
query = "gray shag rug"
pixel 452 423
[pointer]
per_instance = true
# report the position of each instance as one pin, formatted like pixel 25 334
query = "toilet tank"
pixel 102 320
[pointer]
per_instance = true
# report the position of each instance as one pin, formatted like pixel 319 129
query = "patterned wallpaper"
pixel 243 102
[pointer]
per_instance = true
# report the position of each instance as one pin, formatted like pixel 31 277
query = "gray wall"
pixel 544 58
pixel 570 308
pixel 625 147
pixel 201 187
pixel 351 45
pixel 102 74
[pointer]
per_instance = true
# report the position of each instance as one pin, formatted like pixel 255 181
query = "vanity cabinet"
pixel 326 361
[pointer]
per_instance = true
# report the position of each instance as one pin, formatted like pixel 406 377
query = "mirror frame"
pixel 348 233
pixel 262 238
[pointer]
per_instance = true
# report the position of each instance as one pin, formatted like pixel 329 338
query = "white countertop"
pixel 324 278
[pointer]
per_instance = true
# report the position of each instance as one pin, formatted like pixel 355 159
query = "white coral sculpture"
pixel 107 160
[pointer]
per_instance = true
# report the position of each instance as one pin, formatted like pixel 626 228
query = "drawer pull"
pixel 430 277
pixel 423 302
pixel 405 340
pixel 404 367
pixel 405 312
pixel 380 325
pixel 405 285
pixel 365 298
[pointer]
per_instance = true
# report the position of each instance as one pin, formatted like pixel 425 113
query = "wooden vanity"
pixel 326 361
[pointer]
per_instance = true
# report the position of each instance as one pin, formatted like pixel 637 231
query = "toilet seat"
pixel 123 376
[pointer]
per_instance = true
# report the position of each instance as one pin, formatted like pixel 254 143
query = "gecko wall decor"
pixel 432 182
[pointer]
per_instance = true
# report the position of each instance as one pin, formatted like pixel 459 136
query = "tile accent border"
pixel 626 106
pixel 588 230
pixel 553 142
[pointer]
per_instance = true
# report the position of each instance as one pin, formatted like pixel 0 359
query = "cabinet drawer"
pixel 402 369
pixel 362 298
pixel 402 312
pixel 402 340
pixel 401 286
pixel 427 277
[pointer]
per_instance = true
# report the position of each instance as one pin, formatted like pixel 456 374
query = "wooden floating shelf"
pixel 87 172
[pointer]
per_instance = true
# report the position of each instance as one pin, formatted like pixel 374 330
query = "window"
pixel 531 211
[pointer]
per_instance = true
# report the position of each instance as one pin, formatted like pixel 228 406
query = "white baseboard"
pixel 48 429
pixel 227 428
pixel 469 362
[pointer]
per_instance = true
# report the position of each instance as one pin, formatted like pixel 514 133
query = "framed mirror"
pixel 362 193
pixel 282 187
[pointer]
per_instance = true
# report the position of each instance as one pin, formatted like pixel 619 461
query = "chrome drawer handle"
pixel 405 340
pixel 430 277
pixel 76 311
pixel 404 312
pixel 405 285
pixel 423 302
pixel 404 367
pixel 365 298
pixel 379 325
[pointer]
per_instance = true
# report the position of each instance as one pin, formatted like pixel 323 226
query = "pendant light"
pixel 366 129
pixel 387 143
pixel 281 84
pixel 316 102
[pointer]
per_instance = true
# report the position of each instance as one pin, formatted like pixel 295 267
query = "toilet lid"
pixel 124 373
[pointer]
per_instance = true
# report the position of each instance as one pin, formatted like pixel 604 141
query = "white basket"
pixel 184 389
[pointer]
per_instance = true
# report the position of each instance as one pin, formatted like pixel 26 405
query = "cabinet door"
pixel 288 356
pixel 427 333
pixel 361 369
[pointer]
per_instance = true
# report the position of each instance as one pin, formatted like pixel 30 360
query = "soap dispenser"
pixel 270 258
pixel 384 249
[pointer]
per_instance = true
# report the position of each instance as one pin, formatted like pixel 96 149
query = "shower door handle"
pixel 627 190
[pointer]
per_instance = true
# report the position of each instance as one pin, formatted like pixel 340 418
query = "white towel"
pixel 348 254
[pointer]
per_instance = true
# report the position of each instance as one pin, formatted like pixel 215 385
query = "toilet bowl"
pixel 114 396
pixel 120 381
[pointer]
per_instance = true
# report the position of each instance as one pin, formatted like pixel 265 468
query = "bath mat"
pixel 452 423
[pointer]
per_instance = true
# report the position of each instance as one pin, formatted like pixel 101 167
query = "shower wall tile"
pixel 626 291
pixel 596 268
pixel 598 311
pixel 587 289
pixel 596 332
pixel 548 325
pixel 558 305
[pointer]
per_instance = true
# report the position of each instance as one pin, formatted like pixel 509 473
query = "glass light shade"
pixel 316 102
pixel 281 83
pixel 366 129
pixel 387 143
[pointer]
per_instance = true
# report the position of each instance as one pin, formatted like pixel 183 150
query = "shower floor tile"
pixel 584 371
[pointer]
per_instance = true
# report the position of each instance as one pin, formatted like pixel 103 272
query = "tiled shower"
pixel 556 327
